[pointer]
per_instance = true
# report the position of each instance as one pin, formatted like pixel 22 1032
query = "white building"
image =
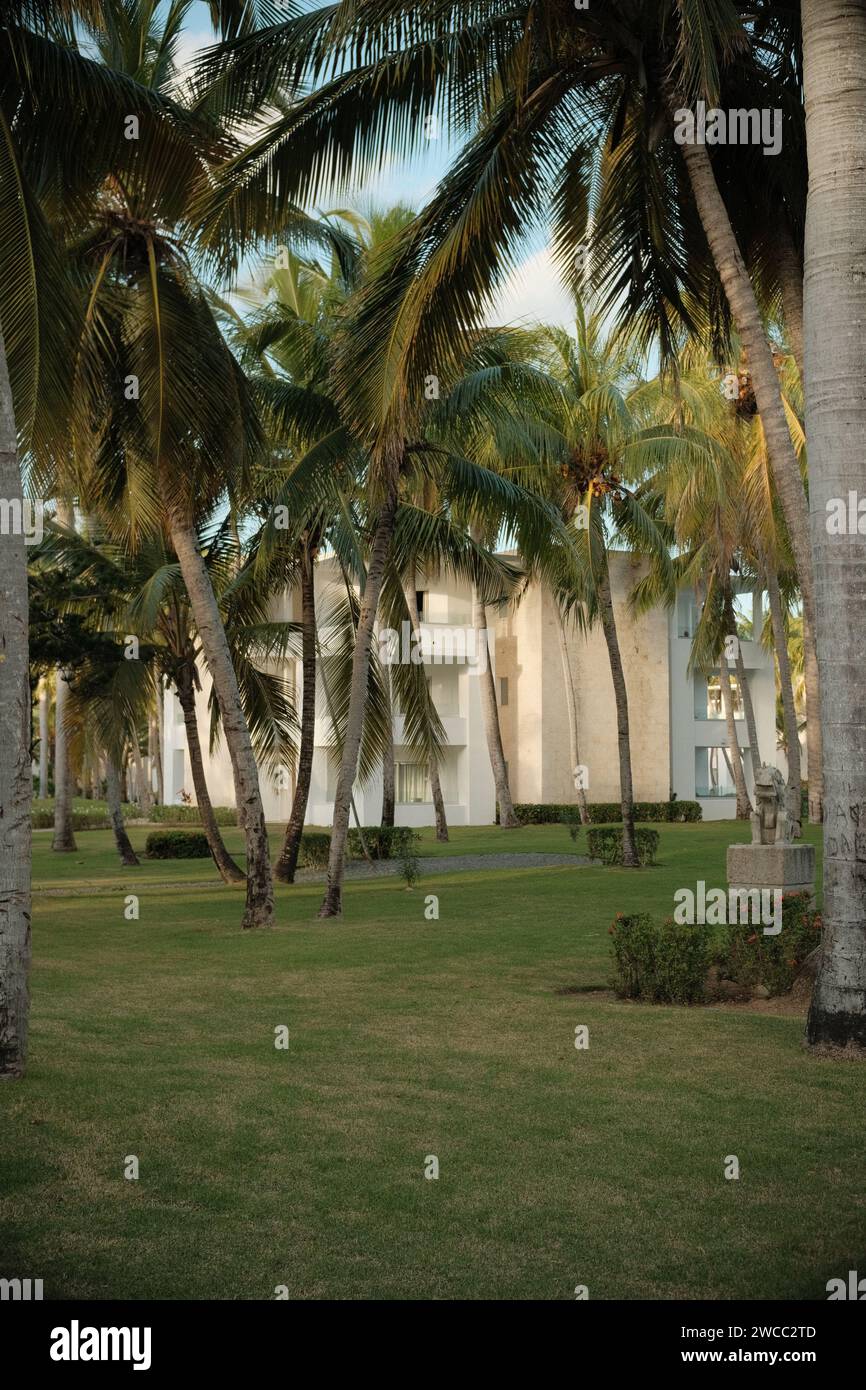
pixel 677 726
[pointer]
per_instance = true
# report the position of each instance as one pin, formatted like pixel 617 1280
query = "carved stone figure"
pixel 769 818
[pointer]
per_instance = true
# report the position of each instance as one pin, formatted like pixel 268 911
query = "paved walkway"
pixel 360 868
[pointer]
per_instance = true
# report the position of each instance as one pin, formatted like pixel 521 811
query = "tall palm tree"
pixel 834 63
pixel 571 110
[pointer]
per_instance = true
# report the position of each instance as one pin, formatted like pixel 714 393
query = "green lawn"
pixel 305 1167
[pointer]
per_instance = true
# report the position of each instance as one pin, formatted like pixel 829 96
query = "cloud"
pixel 533 293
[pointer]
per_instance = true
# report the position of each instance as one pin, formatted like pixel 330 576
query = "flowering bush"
pixel 751 958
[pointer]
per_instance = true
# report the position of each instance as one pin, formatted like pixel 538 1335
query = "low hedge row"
pixel 605 843
pixel 382 841
pixel 177 844
pixel 668 963
pixel 607 812
pixel 315 849
pixel 190 815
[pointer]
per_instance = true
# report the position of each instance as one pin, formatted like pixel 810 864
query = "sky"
pixel 532 292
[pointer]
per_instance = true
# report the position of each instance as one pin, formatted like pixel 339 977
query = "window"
pixel 503 690
pixel 713 772
pixel 421 603
pixel 714 706
pixel 413 783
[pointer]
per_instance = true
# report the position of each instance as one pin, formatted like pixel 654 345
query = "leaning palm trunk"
pixel 43 740
pixel 259 908
pixel 834 63
pixel 332 903
pixel 389 790
pixel 16 786
pixel 433 765
pixel 573 721
pixel 229 870
pixel 64 838
pixel 115 811
pixel 735 760
pixel 789 711
pixel 142 788
pixel 490 715
pixel 786 469
pixel 745 690
pixel 608 623
pixel 287 863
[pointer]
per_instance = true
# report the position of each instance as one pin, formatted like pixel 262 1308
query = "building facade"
pixel 556 704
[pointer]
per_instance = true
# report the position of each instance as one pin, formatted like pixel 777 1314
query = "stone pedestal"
pixel 789 866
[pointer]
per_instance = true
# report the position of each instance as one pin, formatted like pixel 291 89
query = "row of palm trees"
pixel 128 385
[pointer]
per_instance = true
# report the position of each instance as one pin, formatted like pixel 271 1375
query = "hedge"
pixel 190 815
pixel 382 841
pixel 607 812
pixel 605 843
pixel 177 844
pixel 752 958
pixel 315 849
pixel 663 963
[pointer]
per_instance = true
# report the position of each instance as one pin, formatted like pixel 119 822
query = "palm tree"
pixel 834 61
pixel 599 84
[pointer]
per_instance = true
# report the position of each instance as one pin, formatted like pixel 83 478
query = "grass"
pixel 408 1037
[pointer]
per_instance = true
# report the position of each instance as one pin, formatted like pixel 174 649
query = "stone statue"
pixel 769 818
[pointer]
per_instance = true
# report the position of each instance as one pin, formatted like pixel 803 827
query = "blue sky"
pixel 533 291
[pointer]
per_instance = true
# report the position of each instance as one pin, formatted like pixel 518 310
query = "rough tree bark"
pixel 834 65
pixel 43 739
pixel 16 786
pixel 259 908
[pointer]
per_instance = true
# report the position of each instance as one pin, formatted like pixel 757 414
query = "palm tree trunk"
pixel 43 740
pixel 143 792
pixel 790 270
pixel 115 810
pixel 792 735
pixel 259 908
pixel 573 721
pixel 332 903
pixel 16 784
pixel 229 870
pixel 409 592
pixel 814 732
pixel 490 715
pixel 735 762
pixel 745 691
pixel 608 623
pixel 834 63
pixel 64 837
pixel 786 469
pixel 154 752
pixel 389 791
pixel 288 860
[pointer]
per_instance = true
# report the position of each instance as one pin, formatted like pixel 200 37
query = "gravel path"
pixel 359 868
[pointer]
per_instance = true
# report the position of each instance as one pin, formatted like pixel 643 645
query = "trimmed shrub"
pixel 751 958
pixel 382 841
pixel 605 843
pixel 661 963
pixel 177 844
pixel 86 815
pixel 190 815
pixel 315 849
pixel 608 812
